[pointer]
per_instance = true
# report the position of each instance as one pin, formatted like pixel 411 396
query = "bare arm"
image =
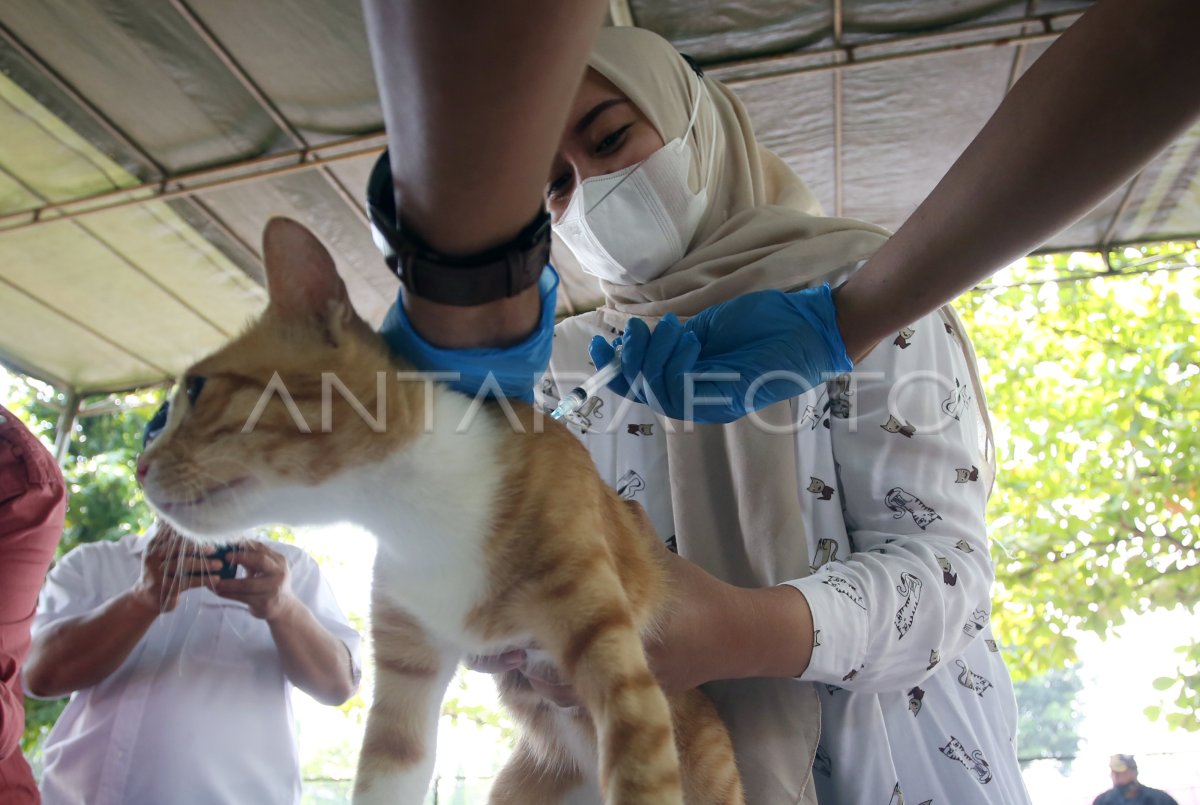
pixel 1116 88
pixel 475 97
pixel 715 631
pixel 313 659
pixel 82 651
pixel 720 631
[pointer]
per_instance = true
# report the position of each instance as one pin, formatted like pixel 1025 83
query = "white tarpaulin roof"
pixel 144 145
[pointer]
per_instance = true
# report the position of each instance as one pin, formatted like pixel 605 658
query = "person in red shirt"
pixel 33 502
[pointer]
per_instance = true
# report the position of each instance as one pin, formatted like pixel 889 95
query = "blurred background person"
pixel 33 502
pixel 180 678
pixel 1126 790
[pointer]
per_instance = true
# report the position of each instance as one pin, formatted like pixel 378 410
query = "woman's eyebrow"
pixel 595 112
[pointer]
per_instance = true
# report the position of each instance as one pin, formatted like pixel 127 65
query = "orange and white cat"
pixel 491 534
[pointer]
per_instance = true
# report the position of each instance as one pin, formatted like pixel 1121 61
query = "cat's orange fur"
pixel 561 560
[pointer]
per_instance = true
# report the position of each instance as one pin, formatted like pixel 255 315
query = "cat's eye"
pixel 194 385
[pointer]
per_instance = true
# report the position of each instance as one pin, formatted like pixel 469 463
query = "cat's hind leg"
pixel 411 676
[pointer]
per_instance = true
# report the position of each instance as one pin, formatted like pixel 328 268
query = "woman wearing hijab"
pixel 849 493
pixel 841 613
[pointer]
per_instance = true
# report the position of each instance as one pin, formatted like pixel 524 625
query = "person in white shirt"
pixel 180 680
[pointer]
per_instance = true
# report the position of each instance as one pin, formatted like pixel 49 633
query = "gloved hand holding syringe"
pixel 577 396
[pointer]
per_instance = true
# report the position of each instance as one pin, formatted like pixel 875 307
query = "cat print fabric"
pixel 894 486
pixel 910 588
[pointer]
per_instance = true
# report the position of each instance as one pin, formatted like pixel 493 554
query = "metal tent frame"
pixel 840 57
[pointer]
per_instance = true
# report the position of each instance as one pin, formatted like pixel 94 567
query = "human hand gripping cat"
pixel 713 630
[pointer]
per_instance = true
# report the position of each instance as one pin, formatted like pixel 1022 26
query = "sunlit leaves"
pixel 1182 702
pixel 1091 387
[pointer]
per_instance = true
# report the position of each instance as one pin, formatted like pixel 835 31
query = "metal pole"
pixel 277 117
pixel 838 98
pixel 66 425
pixel 111 128
pixel 900 48
pixel 186 184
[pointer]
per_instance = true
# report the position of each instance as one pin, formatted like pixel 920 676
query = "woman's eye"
pixel 558 185
pixel 195 385
pixel 612 141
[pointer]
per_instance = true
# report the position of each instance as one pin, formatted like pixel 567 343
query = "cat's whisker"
pixel 164 590
pixel 235 499
pixel 205 455
pixel 172 587
pixel 219 484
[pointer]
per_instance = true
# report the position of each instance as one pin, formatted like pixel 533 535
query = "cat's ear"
pixel 302 281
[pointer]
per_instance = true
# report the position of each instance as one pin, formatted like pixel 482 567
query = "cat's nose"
pixel 143 466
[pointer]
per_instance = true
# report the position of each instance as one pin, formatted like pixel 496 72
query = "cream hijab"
pixel 763 228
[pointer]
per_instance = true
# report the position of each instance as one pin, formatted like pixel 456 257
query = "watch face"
pixel 381 210
pixel 382 243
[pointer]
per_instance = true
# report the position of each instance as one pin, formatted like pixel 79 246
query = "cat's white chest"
pixel 432 535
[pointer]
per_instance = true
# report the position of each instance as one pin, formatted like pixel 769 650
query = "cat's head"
pixel 254 427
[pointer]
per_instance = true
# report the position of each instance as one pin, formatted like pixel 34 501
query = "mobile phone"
pixel 228 569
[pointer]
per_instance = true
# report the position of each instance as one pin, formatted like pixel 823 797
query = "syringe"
pixel 577 396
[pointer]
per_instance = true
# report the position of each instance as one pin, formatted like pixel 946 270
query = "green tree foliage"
pixel 1183 710
pixel 104 499
pixel 1048 717
pixel 1092 387
pixel 457 706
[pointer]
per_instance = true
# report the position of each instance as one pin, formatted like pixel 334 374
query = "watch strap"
pixel 497 273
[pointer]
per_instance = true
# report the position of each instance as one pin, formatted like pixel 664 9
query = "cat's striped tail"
pixel 710 772
pixel 596 642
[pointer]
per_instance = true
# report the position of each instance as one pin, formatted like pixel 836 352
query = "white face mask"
pixel 630 226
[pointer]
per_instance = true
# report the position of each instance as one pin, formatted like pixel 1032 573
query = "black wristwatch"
pixel 497 273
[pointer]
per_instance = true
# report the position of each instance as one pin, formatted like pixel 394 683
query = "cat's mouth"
pixel 206 497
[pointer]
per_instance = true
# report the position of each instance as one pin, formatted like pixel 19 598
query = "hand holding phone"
pixel 228 569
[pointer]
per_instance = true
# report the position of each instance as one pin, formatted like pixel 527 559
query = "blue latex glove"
pixel 793 336
pixel 512 370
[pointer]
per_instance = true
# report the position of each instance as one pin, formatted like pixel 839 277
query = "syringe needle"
pixel 577 396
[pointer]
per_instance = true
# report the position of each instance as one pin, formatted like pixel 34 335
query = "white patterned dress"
pixel 917 706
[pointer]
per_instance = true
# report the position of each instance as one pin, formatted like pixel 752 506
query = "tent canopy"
pixel 143 146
